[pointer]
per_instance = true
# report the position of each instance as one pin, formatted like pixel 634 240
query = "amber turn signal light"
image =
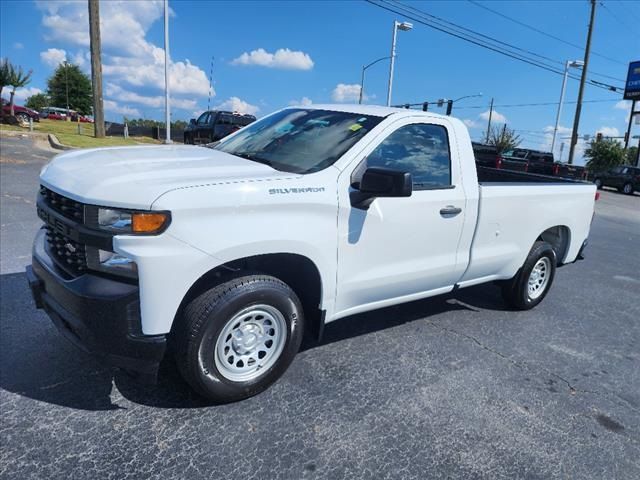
pixel 148 222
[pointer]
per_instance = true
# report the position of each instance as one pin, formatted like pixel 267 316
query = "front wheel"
pixel 628 188
pixel 22 117
pixel 598 183
pixel 238 338
pixel 533 281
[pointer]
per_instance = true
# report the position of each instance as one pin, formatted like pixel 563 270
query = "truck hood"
pixel 134 177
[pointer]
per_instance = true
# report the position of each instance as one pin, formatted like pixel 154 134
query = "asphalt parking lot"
pixel 450 387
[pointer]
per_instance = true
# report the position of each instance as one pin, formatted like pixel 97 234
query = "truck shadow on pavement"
pixel 38 363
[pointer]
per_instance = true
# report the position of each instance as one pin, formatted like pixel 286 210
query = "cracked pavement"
pixel 451 387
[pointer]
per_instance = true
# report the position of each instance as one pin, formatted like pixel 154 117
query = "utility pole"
pixel 96 68
pixel 167 107
pixel 583 78
pixel 627 137
pixel 489 124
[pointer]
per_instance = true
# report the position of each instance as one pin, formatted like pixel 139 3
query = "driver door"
pixel 402 248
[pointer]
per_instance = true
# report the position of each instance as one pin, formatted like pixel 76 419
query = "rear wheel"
pixel 532 282
pixel 628 188
pixel 598 183
pixel 238 338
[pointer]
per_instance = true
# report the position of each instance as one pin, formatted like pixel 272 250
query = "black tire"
pixel 627 189
pixel 207 316
pixel 188 139
pixel 515 292
pixel 22 117
pixel 598 183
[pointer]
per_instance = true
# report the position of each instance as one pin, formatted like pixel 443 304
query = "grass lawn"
pixel 67 133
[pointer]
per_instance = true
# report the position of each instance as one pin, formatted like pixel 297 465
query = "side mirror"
pixel 380 182
pixel 192 121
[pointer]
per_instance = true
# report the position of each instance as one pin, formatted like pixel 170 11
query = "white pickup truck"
pixel 229 254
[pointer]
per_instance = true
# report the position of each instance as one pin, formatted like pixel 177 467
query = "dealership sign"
pixel 632 87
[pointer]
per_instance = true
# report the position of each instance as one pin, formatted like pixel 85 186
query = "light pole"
pixel 405 27
pixel 570 63
pixel 167 107
pixel 363 70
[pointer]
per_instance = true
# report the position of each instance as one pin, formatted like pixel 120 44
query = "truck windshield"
pixel 299 140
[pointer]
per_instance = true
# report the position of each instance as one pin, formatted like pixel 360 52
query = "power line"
pixel 620 20
pixel 539 104
pixel 602 85
pixel 542 32
pixel 422 17
pixel 629 10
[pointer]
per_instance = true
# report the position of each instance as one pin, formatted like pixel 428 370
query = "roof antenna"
pixel 210 83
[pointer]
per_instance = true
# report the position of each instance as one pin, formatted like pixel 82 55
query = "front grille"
pixel 61 204
pixel 68 254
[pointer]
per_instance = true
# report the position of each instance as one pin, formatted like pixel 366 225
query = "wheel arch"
pixel 559 237
pixel 298 271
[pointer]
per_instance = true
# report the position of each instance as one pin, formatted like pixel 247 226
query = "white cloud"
pixel 563 136
pixel 128 57
pixel 115 91
pixel 471 123
pixel 53 57
pixel 347 93
pixel 23 93
pixel 626 106
pixel 609 131
pixel 283 58
pixel 623 105
pixel 235 104
pixel 18 46
pixel 111 106
pixel 304 101
pixel 495 117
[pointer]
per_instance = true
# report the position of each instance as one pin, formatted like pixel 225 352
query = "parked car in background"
pixel 214 125
pixel 54 113
pixel 57 113
pixel 624 177
pixel 23 114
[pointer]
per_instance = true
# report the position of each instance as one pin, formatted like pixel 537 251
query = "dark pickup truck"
pixel 526 160
pixel 214 125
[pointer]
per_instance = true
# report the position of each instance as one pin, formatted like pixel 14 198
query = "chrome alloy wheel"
pixel 250 343
pixel 539 278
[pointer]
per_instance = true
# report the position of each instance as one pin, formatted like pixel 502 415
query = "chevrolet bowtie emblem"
pixel 70 247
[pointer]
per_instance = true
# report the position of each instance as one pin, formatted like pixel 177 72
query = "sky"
pixel 267 55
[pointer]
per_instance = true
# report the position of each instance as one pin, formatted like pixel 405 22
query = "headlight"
pixel 127 221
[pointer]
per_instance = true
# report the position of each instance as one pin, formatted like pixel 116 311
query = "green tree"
pixel 37 101
pixel 17 79
pixel 5 73
pixel 632 154
pixel 604 154
pixel 504 138
pixel 69 77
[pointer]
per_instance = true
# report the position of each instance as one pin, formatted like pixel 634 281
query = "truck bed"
pixel 493 176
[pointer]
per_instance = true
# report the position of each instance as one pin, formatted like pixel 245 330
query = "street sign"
pixel 632 87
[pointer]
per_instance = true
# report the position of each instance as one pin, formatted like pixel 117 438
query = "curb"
pixel 55 143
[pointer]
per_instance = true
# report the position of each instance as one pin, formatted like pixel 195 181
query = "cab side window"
pixel 422 150
pixel 203 119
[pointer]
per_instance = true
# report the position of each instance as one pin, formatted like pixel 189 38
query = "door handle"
pixel 450 211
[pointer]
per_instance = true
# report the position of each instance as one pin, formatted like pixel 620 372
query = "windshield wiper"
pixel 253 157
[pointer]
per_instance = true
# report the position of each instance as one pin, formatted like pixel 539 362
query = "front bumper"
pixel 99 315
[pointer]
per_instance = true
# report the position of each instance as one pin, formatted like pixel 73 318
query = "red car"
pixel 22 113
